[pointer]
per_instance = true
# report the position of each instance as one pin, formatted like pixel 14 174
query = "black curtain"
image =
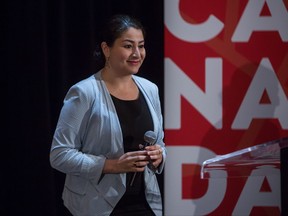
pixel 47 46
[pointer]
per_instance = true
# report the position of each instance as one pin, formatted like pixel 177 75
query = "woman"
pixel 100 131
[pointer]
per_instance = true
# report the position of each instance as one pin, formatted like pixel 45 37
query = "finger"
pixel 134 156
pixel 137 153
pixel 154 148
pixel 138 167
pixel 158 151
pixel 140 164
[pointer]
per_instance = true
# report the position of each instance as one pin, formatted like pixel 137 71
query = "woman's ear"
pixel 105 49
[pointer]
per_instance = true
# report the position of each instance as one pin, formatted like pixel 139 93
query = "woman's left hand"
pixel 155 154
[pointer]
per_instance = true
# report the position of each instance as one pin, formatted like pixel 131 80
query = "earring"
pixel 107 64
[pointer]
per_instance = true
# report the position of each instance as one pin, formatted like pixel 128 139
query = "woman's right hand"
pixel 134 161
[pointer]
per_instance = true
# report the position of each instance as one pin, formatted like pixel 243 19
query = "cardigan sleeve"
pixel 161 131
pixel 66 155
pixel 152 92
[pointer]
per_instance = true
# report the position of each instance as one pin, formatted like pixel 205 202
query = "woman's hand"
pixel 155 154
pixel 129 162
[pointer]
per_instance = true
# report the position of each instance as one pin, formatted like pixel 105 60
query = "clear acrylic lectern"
pixel 241 163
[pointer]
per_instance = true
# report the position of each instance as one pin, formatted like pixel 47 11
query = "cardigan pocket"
pixel 111 187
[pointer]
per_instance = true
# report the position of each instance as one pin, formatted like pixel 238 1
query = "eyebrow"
pixel 131 41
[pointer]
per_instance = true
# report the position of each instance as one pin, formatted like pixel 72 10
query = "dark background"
pixel 47 46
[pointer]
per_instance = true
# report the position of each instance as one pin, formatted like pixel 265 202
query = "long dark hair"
pixel 113 29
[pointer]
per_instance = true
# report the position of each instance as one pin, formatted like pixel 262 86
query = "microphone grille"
pixel 150 137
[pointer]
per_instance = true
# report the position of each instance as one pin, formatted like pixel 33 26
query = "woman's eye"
pixel 128 46
pixel 141 46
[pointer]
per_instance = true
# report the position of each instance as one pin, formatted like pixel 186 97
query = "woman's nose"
pixel 136 52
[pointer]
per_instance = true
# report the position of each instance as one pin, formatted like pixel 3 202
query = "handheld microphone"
pixel 150 138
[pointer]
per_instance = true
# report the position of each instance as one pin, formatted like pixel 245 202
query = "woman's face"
pixel 127 53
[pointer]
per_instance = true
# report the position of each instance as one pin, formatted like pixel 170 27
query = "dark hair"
pixel 118 24
pixel 113 29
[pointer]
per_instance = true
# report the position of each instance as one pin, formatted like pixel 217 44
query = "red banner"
pixel 226 88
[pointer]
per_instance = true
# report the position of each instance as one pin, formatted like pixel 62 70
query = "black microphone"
pixel 150 138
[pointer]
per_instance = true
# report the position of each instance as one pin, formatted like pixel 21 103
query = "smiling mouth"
pixel 134 62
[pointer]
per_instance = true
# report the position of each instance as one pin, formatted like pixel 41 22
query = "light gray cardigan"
pixel 88 131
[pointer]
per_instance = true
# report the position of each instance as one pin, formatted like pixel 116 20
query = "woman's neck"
pixel 122 87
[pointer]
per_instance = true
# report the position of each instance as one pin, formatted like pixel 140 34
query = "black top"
pixel 135 120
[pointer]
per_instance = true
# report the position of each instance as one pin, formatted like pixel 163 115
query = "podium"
pixel 262 157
